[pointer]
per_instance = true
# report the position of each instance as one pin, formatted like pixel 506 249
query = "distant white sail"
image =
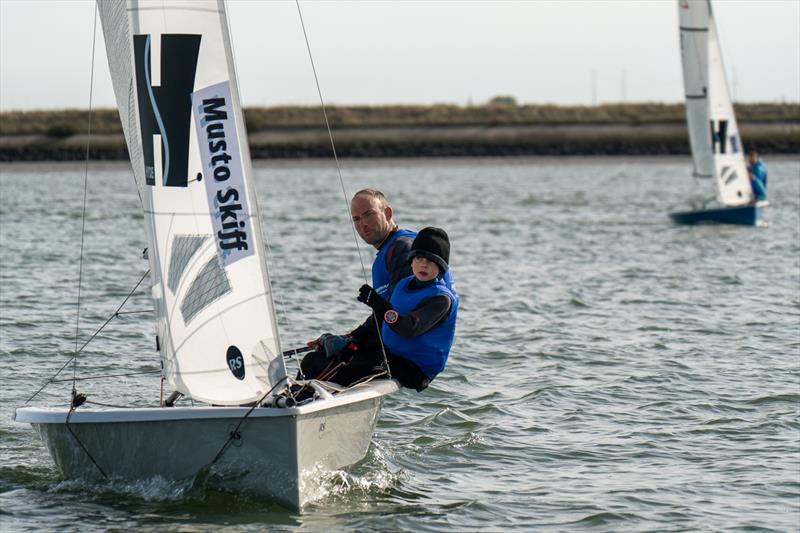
pixel 713 132
pixel 176 90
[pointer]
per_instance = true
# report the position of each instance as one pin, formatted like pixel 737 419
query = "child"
pixel 417 325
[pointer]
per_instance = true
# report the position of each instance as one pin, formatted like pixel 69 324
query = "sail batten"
pixel 175 84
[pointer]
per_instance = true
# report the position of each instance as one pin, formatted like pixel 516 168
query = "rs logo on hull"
pixel 165 110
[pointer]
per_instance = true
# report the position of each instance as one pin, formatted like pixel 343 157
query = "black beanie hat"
pixel 432 244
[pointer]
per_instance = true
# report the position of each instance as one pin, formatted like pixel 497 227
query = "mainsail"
pixel 713 133
pixel 175 85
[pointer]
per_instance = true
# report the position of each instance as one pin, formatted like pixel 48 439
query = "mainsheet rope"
pixel 341 181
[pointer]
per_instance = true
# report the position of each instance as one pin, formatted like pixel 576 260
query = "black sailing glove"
pixel 370 296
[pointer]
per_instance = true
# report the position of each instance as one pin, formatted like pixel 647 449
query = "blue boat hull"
pixel 747 215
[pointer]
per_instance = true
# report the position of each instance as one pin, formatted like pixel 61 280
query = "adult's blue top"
pixel 390 264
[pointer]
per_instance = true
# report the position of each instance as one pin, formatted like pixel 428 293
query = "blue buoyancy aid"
pixel 381 279
pixel 759 170
pixel 430 350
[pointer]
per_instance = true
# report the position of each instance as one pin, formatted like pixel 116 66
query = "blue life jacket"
pixel 381 279
pixel 429 351
pixel 759 170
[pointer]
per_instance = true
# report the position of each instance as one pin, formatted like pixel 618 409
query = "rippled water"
pixel 611 371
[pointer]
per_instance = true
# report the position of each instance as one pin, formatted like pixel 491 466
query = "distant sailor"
pixel 758 175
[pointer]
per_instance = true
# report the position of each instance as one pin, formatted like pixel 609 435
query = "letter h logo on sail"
pixel 165 105
pixel 719 136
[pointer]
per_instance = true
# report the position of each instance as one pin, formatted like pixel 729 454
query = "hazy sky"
pixel 383 52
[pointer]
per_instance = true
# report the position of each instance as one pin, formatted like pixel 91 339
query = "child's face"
pixel 423 269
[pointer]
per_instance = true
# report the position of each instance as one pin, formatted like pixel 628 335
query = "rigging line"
pixel 85 193
pixel 104 376
pixel 282 306
pixel 116 313
pixel 366 379
pixel 72 358
pixel 233 434
pixel 330 136
pixel 341 181
pixel 80 443
pixel 110 405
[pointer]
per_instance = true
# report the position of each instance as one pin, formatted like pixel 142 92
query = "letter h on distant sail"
pixel 165 109
pixel 719 137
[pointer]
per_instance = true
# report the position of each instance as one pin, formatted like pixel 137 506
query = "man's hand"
pixel 316 343
pixel 370 297
pixel 331 345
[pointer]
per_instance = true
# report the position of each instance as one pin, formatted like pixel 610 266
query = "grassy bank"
pixel 440 130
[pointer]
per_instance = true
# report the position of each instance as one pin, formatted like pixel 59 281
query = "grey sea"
pixel 611 371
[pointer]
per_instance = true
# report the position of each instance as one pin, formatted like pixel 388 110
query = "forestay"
pixel 175 85
pixel 713 132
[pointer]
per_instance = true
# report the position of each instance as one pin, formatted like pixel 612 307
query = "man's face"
pixel 373 222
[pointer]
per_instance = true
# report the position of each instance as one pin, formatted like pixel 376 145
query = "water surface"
pixel 611 371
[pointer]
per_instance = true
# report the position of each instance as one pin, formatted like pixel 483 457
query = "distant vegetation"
pixel 503 100
pixel 501 111
pixel 498 128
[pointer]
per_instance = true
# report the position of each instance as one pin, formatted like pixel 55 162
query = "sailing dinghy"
pixel 716 146
pixel 216 327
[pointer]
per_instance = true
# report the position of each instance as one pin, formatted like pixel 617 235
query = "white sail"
pixel 178 99
pixel 713 133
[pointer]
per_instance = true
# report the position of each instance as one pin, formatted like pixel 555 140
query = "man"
pixel 758 175
pixel 373 219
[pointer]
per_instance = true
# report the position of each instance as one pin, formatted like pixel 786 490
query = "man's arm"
pixel 397 261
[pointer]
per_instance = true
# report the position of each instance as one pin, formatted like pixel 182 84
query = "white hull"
pixel 279 453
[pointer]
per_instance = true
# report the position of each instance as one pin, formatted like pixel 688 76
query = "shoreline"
pixel 99 165
pixel 429 141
